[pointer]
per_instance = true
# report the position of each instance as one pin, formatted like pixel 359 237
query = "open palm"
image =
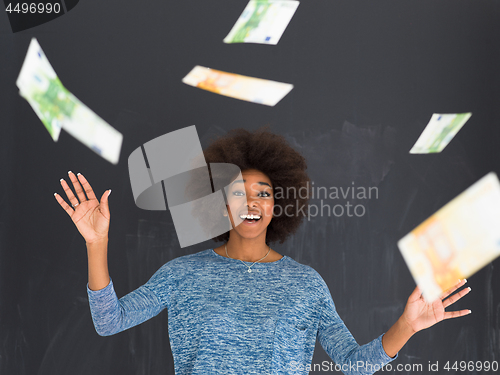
pixel 90 216
pixel 420 314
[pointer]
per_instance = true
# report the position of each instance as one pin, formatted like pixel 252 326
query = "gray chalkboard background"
pixel 367 77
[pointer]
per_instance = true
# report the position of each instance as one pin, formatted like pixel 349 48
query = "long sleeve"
pixel 341 346
pixel 112 315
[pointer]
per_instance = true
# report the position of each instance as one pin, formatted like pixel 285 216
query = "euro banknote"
pixel 456 241
pixel 237 86
pixel 41 100
pixel 439 132
pixel 58 108
pixel 262 21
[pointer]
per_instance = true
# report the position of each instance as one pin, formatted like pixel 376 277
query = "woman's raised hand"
pixel 420 315
pixel 90 217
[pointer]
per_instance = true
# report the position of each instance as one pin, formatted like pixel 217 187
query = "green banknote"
pixel 439 132
pixel 262 21
pixel 41 89
pixel 58 108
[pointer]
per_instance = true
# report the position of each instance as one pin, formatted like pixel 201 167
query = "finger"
pixel 446 293
pixel 69 193
pixel 66 207
pixel 415 295
pixel 77 186
pixel 86 186
pixel 454 298
pixel 104 206
pixel 456 314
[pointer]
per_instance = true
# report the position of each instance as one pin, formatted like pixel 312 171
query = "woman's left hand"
pixel 419 314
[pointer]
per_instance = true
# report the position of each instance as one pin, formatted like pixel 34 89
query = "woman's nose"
pixel 252 202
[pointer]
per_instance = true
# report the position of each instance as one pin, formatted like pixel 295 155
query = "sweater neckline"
pixel 237 260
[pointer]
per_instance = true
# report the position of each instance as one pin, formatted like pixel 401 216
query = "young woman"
pixel 242 308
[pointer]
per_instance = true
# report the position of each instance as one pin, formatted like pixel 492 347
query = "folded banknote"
pixel 58 108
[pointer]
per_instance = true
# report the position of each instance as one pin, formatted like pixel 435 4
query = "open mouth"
pixel 250 218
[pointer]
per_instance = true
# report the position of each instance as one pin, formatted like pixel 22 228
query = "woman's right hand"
pixel 90 217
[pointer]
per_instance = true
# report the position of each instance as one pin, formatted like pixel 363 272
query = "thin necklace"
pixel 249 270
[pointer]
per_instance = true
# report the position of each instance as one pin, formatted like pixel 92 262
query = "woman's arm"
pixel 91 218
pixel 396 337
pixel 341 346
pixel 97 254
pixel 419 314
pixel 112 315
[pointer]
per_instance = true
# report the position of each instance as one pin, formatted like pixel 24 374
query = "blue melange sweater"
pixel 225 320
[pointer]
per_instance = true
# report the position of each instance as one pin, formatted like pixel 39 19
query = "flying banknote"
pixel 262 21
pixel 439 132
pixel 237 86
pixel 58 108
pixel 456 241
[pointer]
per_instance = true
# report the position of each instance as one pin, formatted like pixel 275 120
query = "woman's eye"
pixel 263 194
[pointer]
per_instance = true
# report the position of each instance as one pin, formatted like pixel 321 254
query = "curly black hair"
pixel 270 154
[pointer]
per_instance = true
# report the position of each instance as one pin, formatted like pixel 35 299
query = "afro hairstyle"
pixel 270 154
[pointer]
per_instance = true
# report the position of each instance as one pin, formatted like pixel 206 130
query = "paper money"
pixel 456 241
pixel 262 21
pixel 237 86
pixel 48 83
pixel 439 132
pixel 58 108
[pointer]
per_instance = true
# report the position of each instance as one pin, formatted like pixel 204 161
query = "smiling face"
pixel 255 194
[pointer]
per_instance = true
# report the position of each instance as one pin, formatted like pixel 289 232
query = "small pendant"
pixel 249 270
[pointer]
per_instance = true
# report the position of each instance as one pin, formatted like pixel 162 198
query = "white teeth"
pixel 250 217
